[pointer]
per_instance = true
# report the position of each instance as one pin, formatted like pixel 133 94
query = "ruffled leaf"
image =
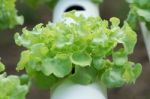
pixel 81 59
pixel 112 78
pixel 60 66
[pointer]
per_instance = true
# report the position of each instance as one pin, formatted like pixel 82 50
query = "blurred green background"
pixel 10 53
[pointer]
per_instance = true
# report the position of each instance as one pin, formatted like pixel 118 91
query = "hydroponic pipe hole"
pixel 73 70
pixel 76 7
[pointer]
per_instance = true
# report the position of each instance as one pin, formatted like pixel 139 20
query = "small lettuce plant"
pixel 139 11
pixel 8 14
pixel 12 87
pixel 83 50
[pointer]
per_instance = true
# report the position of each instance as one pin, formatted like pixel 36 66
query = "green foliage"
pixel 81 49
pixel 2 67
pixel 60 65
pixel 37 3
pixel 140 9
pixel 84 75
pixel 8 14
pixel 11 88
pixel 81 59
pixel 97 1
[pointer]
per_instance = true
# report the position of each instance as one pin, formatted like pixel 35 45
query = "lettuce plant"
pixel 140 10
pixel 80 49
pixel 11 87
pixel 8 14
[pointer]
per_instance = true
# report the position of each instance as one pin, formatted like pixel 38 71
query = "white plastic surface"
pixel 69 90
pixel 91 9
pixel 146 35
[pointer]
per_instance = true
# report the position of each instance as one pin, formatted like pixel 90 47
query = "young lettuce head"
pixel 84 51
pixel 12 87
pixel 8 14
pixel 139 10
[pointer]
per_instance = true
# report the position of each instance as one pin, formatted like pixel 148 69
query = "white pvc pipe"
pixel 70 90
pixel 146 35
pixel 91 9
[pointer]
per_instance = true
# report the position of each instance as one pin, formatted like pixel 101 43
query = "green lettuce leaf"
pixel 113 78
pixel 84 75
pixel 139 11
pixel 60 66
pixel 2 67
pixel 81 59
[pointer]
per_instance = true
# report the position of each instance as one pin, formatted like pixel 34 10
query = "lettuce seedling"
pixel 11 87
pixel 8 14
pixel 84 50
pixel 139 10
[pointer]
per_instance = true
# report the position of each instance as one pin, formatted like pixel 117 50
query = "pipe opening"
pixel 75 7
